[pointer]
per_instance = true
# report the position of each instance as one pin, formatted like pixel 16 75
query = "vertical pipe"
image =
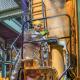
pixel 78 32
pixel 45 15
pixel 31 10
pixel 3 70
pixel 4 66
pixel 24 18
pixel 42 54
pixel 43 12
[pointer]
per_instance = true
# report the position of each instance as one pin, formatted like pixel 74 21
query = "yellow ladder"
pixel 39 10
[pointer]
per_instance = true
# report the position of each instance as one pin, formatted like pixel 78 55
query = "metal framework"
pixel 9 9
pixel 26 25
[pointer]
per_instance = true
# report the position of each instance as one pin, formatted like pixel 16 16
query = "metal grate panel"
pixel 7 4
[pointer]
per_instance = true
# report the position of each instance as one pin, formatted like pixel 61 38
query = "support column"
pixel 78 31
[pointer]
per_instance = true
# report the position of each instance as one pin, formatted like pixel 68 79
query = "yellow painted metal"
pixel 4 78
pixel 57 59
pixel 77 35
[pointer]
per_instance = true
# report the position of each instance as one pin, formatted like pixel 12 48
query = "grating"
pixel 7 4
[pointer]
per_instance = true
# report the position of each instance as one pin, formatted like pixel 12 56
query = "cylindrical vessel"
pixel 58 59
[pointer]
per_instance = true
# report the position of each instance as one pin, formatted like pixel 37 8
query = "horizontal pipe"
pixel 47 40
pixel 56 16
pixel 49 18
pixel 44 40
pixel 6 62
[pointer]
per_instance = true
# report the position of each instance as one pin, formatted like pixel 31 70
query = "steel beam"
pixel 10 14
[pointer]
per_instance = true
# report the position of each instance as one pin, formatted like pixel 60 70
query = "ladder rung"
pixel 37 14
pixel 37 6
pixel 36 11
pixel 37 3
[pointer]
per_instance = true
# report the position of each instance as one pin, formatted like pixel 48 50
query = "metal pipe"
pixel 64 72
pixel 54 40
pixel 70 31
pixel 4 65
pixel 23 21
pixel 15 40
pixel 43 12
pixel 51 17
pixel 6 62
pixel 78 32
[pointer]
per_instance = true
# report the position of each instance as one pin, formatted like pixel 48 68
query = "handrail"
pixel 15 40
pixel 70 32
pixel 45 18
pixel 44 40
pixel 16 65
pixel 64 72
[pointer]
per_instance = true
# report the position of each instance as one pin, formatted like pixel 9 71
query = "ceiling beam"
pixel 10 14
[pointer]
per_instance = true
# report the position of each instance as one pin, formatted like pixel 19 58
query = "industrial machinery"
pixel 47 56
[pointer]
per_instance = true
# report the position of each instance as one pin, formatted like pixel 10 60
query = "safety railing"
pixel 14 62
pixel 41 11
pixel 65 37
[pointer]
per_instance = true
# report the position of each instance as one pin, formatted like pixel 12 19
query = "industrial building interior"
pixel 39 39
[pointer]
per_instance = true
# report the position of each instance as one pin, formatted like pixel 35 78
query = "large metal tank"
pixel 58 59
pixel 56 27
